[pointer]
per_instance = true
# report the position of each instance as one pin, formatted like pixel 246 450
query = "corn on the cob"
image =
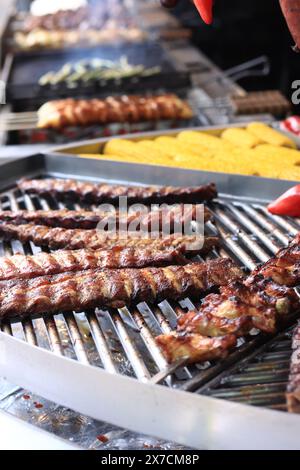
pixel 269 135
pixel 175 146
pixel 121 147
pixel 286 155
pixel 240 138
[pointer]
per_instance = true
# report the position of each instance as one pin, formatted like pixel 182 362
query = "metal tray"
pixel 170 411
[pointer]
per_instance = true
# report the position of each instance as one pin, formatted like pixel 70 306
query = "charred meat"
pixel 105 193
pixel 111 288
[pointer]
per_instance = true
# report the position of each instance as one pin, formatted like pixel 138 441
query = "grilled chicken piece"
pixel 111 288
pixel 293 390
pixel 75 239
pixel 284 268
pixel 194 347
pixel 155 220
pixel 43 264
pixel 70 112
pixel 105 193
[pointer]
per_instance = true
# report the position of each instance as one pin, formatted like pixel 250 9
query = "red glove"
pixel 205 8
pixel 287 204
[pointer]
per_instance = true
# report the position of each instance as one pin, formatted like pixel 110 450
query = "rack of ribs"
pixel 44 264
pixel 107 288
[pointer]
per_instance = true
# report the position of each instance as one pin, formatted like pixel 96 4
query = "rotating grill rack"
pixel 123 341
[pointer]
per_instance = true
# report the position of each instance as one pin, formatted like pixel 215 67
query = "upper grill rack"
pixel 123 340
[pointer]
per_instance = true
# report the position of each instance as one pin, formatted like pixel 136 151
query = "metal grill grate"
pixel 123 341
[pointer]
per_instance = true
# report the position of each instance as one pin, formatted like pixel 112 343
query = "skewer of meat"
pixel 44 264
pixel 284 268
pixel 293 390
pixel 105 193
pixel 75 239
pixel 195 348
pixel 111 288
pixel 174 216
pixel 264 300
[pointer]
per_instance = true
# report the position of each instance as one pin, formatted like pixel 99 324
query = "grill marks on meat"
pixel 293 390
pixel 111 288
pixel 194 347
pixel 75 239
pixel 104 193
pixel 174 216
pixel 22 267
pixel 264 300
pixel 284 268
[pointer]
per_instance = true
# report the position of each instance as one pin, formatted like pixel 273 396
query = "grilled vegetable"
pixel 287 204
pixel 95 70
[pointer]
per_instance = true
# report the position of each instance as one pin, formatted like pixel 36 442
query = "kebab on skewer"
pixel 105 193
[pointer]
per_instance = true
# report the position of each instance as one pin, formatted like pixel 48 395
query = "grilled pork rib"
pixel 171 216
pixel 111 288
pixel 293 390
pixel 75 239
pixel 105 193
pixel 195 348
pixel 43 264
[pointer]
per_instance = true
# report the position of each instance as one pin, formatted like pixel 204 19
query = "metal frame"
pixel 140 405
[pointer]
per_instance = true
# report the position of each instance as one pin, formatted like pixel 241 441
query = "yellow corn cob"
pixel 292 174
pixel 204 140
pixel 122 147
pixel 240 138
pixel 151 150
pixel 269 135
pixel 133 151
pixel 286 155
pixel 175 146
